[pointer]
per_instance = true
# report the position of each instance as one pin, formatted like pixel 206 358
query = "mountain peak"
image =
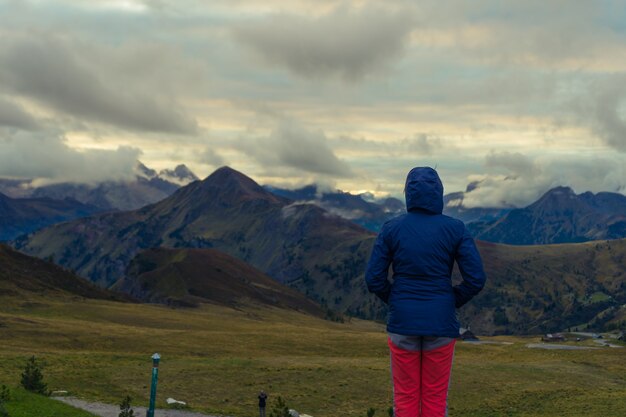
pixel 180 175
pixel 226 180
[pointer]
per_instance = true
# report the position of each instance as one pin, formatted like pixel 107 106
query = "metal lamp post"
pixel 155 374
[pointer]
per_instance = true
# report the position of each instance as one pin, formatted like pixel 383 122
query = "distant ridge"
pixel 559 216
pixel 186 277
pixel 24 215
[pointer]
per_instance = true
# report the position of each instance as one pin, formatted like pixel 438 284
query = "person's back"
pixel 422 246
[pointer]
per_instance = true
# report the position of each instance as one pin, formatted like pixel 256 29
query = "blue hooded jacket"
pixel 422 246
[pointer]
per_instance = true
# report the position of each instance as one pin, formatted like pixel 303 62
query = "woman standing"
pixel 422 246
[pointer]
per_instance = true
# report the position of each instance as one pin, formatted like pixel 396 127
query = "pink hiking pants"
pixel 421 379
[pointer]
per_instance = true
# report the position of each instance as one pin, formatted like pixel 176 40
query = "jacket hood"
pixel 423 190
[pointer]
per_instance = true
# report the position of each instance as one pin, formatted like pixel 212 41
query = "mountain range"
pixel 303 245
pixel 147 187
pixel 559 216
pixel 323 256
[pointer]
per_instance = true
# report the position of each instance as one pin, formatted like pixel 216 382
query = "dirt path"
pixel 108 410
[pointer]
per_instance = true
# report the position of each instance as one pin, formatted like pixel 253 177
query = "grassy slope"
pixel 550 287
pixel 25 404
pixel 218 359
pixel 185 277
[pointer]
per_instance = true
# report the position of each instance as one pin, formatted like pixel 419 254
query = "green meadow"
pixel 217 359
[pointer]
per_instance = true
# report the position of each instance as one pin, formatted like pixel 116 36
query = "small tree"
pixel 125 410
pixel 32 378
pixel 280 409
pixel 371 411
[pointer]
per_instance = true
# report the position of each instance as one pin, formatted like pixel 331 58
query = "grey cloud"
pixel 601 108
pixel 210 157
pixel 344 43
pixel 73 78
pixel 44 156
pixel 12 114
pixel 292 145
pixel 422 144
pixel 514 162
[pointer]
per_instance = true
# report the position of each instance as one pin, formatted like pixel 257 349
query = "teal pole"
pixel 155 375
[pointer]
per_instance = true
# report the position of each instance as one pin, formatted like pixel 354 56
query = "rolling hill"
pixel 187 277
pixel 22 276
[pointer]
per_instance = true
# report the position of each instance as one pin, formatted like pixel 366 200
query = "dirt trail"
pixel 108 410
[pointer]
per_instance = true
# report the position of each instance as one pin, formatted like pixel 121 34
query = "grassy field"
pixel 217 359
pixel 25 404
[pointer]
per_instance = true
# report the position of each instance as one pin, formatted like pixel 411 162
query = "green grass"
pixel 26 404
pixel 217 359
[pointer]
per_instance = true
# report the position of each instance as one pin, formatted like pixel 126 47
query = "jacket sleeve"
pixel 378 268
pixel 471 267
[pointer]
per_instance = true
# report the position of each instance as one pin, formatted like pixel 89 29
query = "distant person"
pixel 422 246
pixel 262 401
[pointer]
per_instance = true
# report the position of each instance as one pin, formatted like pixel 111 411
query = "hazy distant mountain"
pixel 453 207
pixel 25 215
pixel 372 213
pixel 148 187
pixel 187 277
pixel 23 276
pixel 180 175
pixel 362 209
pixel 559 216
pixel 317 252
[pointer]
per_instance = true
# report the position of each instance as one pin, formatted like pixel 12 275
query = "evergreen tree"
pixel 32 378
pixel 125 410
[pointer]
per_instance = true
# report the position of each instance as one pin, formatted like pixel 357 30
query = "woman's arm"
pixel 378 268
pixel 471 267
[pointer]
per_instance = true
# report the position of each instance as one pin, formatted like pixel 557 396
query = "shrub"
pixel 32 378
pixel 125 410
pixel 280 409
pixel 5 394
pixel 371 411
pixel 390 411
pixel 3 411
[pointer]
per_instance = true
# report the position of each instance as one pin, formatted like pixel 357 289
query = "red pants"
pixel 420 380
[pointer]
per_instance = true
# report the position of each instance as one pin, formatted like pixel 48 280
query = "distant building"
pixel 466 334
pixel 553 337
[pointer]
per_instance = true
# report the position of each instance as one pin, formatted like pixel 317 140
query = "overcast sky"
pixel 521 96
